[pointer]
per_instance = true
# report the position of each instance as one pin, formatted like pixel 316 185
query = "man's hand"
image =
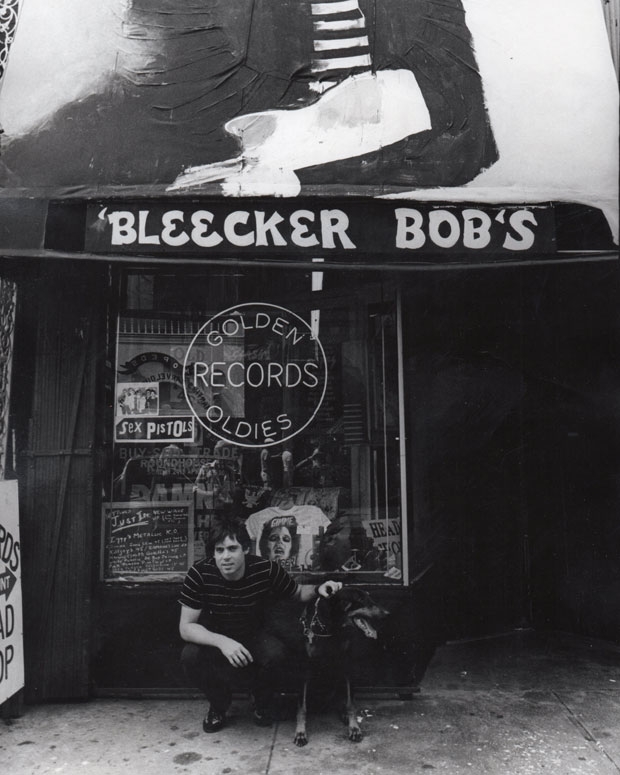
pixel 307 592
pixel 328 588
pixel 235 653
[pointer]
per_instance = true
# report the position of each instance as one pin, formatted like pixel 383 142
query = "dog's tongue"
pixel 363 625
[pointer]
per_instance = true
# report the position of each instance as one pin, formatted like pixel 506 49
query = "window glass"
pixel 266 394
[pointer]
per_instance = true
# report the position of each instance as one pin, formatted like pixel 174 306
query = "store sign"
pixel 400 231
pixel 255 375
pixel 11 626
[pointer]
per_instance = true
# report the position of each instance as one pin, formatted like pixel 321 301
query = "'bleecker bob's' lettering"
pixel 370 231
pixel 470 228
pixel 239 228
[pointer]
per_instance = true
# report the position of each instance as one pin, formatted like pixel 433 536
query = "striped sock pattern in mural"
pixel 340 42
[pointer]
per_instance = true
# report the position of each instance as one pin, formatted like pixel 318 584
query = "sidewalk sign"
pixel 11 623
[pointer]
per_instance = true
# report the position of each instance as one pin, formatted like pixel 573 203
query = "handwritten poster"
pixel 146 538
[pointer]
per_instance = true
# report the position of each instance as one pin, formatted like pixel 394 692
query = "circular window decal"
pixel 255 374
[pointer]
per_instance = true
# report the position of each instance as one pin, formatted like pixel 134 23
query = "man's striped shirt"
pixel 235 608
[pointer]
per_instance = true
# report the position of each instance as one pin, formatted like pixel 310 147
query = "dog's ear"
pixel 351 597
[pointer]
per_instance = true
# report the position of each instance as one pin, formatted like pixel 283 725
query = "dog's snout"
pixel 378 612
pixel 376 608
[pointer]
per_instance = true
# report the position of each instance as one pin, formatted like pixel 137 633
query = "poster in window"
pixel 137 398
pixel 147 539
pixel 289 536
pixel 150 404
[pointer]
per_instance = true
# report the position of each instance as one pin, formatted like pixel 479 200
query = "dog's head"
pixel 354 607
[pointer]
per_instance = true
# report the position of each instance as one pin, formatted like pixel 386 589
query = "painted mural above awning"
pixel 491 101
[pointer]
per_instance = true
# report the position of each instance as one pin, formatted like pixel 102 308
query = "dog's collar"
pixel 316 628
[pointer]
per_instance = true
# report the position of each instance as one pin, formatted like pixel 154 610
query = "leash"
pixel 310 630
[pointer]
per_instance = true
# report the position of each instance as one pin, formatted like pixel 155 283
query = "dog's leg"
pixel 301 738
pixel 355 733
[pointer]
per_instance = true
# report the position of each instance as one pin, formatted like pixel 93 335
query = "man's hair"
pixel 229 527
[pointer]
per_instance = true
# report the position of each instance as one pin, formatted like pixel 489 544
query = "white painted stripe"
pixel 342 63
pixel 337 26
pixel 340 6
pixel 322 86
pixel 330 45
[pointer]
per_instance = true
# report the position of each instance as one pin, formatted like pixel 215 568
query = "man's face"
pixel 230 558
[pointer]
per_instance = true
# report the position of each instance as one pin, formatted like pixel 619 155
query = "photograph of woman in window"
pixel 279 541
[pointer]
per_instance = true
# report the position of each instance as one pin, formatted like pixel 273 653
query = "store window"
pixel 269 394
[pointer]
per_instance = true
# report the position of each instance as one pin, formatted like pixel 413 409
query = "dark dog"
pixel 328 627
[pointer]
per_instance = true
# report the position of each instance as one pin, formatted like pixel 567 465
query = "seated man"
pixel 222 603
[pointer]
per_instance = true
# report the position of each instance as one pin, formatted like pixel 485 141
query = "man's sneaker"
pixel 262 718
pixel 214 721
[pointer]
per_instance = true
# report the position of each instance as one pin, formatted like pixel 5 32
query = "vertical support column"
pixel 402 441
pixel 8 299
pixel 11 703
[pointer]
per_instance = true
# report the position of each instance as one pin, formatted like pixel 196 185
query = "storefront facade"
pixel 393 392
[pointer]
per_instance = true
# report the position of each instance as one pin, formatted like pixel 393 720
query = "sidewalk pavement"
pixel 513 705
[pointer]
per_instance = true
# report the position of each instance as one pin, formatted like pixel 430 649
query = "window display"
pixel 271 395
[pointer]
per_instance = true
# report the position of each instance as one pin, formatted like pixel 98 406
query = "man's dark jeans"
pixel 208 669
